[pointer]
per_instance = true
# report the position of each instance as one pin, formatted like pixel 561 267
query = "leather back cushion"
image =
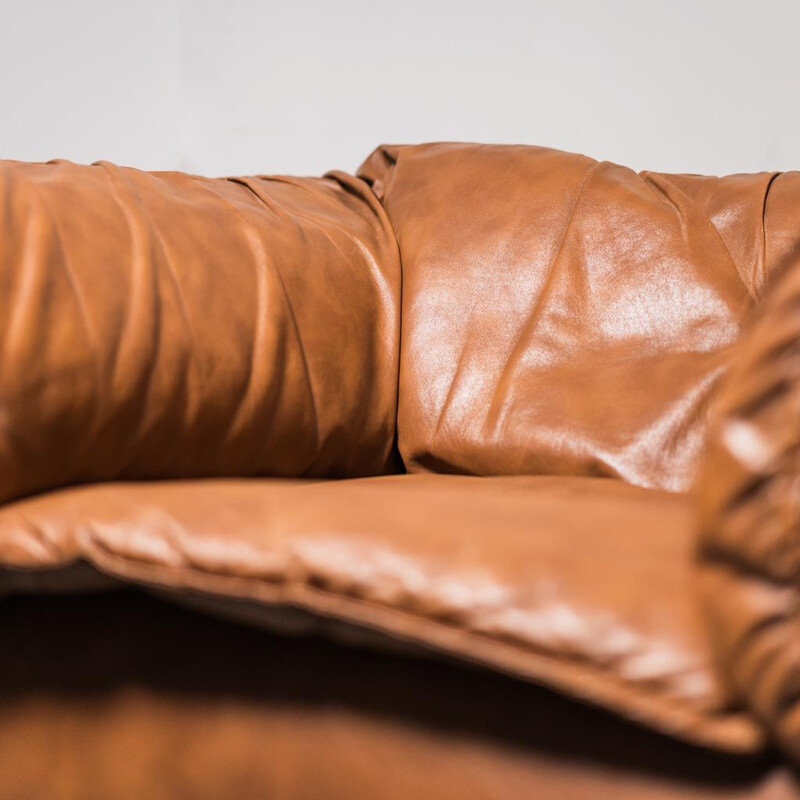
pixel 562 315
pixel 163 325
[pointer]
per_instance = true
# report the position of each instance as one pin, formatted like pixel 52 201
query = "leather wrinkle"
pixel 144 274
pixel 259 348
pixel 533 318
pixel 261 300
pixel 657 181
pixel 764 254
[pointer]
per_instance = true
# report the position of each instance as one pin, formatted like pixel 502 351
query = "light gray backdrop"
pixel 303 86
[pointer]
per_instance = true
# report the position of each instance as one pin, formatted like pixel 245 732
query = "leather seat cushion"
pixel 581 584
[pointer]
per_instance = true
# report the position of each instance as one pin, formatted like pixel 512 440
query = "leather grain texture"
pixel 127 698
pixel 564 315
pixel 581 584
pixel 158 325
pixel 749 497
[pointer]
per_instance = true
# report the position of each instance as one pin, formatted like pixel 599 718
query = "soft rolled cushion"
pixel 583 585
pixel 164 325
pixel 749 496
pixel 563 315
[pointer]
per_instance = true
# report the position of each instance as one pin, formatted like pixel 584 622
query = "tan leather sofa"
pixel 475 475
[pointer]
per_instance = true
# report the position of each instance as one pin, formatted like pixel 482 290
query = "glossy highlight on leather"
pixel 563 315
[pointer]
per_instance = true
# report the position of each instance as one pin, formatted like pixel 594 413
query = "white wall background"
pixel 301 86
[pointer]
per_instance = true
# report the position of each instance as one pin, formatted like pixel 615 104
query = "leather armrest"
pixel 163 325
pixel 749 516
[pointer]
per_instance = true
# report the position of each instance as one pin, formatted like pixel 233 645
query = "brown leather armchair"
pixel 453 479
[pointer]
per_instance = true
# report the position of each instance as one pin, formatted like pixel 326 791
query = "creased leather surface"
pixel 749 496
pixel 581 584
pixel 223 712
pixel 164 325
pixel 562 315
